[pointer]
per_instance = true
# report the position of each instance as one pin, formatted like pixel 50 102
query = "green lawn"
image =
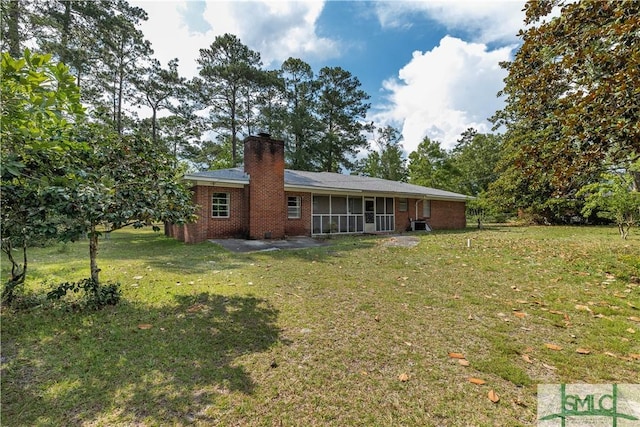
pixel 354 333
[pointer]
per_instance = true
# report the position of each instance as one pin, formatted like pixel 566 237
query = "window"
pixel 220 205
pixel 426 208
pixel 293 207
pixel 402 205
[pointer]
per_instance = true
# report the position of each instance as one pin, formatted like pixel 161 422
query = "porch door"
pixel 369 215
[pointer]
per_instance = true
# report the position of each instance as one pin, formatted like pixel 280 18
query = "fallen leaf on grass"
pixel 631 331
pixel 144 326
pixel 196 307
pixel 556 312
pixel 583 351
pixel 526 358
pixel 463 362
pixel 137 277
pixel 403 377
pixel 520 314
pixel 608 353
pixel 583 308
pixel 634 318
pixel 553 368
pixel 493 396
pixel 553 347
pixel 456 355
pixel 634 356
pixel 477 381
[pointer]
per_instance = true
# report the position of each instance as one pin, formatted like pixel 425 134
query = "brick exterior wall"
pixel 447 215
pixel 208 227
pixel 299 226
pixel 264 163
pixel 444 214
pixel 402 218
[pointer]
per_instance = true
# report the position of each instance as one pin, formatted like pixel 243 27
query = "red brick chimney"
pixel 264 163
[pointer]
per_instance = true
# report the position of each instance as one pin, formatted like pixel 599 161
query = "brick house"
pixel 264 200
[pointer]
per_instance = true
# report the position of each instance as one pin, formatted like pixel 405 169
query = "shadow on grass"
pixel 130 364
pixel 168 254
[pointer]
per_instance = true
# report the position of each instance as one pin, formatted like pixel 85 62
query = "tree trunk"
pixel 636 180
pixel 64 40
pixel 13 31
pixel 93 254
pixel 18 272
pixel 153 125
pixel 234 140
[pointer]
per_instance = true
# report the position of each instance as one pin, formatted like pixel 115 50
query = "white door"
pixel 369 215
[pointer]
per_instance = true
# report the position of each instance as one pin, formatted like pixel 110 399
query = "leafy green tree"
pixel 613 198
pixel 40 109
pixel 226 70
pixel 571 100
pixel 300 125
pixel 387 161
pixel 431 166
pixel 126 54
pixel 126 181
pixel 341 109
pixel 475 158
pixel 157 88
pixel 12 22
pixel 269 102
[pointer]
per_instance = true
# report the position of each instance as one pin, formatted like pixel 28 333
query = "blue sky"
pixel 430 67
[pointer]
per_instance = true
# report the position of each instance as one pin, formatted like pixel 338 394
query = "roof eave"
pixel 317 189
pixel 213 180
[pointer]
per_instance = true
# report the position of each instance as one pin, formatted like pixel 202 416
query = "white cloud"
pixel 276 29
pixel 442 92
pixel 483 21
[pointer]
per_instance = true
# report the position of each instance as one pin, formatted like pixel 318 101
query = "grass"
pixel 321 336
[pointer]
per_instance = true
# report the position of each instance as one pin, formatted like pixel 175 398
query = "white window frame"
pixel 294 211
pixel 219 204
pixel 426 208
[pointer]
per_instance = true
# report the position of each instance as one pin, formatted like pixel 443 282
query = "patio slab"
pixel 242 245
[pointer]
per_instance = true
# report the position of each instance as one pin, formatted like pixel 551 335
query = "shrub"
pixel 94 295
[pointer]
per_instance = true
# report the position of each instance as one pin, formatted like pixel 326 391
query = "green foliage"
pixel 474 159
pixel 125 180
pixel 571 101
pixel 158 86
pixel 40 108
pixel 298 118
pixel 341 109
pixel 227 69
pixel 388 161
pixel 431 166
pixel 613 198
pixel 93 295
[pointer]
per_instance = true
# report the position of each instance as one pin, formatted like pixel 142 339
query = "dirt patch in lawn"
pixel 401 241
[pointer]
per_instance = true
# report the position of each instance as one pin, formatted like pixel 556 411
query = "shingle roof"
pixel 328 181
